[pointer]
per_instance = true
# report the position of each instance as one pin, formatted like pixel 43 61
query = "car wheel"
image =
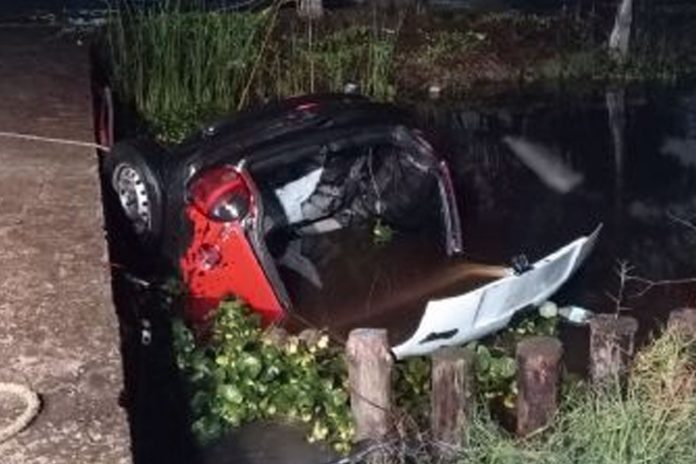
pixel 131 171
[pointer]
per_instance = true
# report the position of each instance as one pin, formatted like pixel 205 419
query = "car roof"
pixel 280 122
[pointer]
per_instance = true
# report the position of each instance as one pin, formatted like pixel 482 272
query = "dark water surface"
pixel 568 176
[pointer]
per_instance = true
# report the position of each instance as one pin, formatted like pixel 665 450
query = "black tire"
pixel 141 208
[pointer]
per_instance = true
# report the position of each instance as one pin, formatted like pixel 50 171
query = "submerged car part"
pixel 576 315
pixel 457 320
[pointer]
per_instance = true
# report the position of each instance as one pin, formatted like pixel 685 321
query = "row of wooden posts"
pixel 453 377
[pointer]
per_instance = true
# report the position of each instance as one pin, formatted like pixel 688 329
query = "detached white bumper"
pixel 460 319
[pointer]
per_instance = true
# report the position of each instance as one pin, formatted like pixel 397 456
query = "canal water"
pixel 539 169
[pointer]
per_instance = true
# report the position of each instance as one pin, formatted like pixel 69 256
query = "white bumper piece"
pixel 460 319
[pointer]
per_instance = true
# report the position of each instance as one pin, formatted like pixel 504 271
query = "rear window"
pixel 327 191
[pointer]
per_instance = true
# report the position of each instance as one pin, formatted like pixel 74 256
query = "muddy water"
pixel 360 283
pixel 536 171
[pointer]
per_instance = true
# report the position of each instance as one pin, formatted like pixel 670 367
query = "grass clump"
pixel 178 67
pixel 175 65
pixel 651 421
pixel 178 63
pixel 325 58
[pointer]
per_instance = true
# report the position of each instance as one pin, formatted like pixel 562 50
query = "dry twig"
pixel 623 272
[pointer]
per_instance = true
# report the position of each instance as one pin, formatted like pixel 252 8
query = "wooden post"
pixel 612 345
pixel 684 321
pixel 452 398
pixel 310 9
pixel 369 373
pixel 619 40
pixel 276 335
pixel 309 336
pixel 538 373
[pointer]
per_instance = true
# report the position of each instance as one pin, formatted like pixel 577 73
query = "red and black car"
pixel 279 207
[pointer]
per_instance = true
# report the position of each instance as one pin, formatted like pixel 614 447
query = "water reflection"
pixel 536 171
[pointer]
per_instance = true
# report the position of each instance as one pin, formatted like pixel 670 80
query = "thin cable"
pixel 39 138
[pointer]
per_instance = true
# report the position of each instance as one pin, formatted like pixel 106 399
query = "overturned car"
pixel 280 208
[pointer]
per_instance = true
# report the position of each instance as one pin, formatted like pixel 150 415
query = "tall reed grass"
pixel 173 64
pixel 179 66
pixel 320 58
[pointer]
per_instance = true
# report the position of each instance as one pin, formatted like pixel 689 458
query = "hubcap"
pixel 132 193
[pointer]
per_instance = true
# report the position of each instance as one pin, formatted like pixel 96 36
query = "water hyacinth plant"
pixel 241 374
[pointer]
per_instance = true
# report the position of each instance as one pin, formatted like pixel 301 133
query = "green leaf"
pixel 231 393
pixel 483 358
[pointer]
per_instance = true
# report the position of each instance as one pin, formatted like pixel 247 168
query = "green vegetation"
pixel 317 58
pixel 495 357
pixel 240 374
pixel 652 421
pixel 175 66
pixel 382 233
pixel 179 67
pixel 444 45
pixel 595 64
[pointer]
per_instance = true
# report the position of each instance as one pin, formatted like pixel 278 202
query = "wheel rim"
pixel 132 193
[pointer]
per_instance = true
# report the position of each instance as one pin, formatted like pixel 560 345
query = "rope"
pixel 39 138
pixel 31 409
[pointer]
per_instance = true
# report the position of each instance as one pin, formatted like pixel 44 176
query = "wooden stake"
pixel 309 336
pixel 683 320
pixel 619 40
pixel 612 345
pixel 276 335
pixel 310 9
pixel 452 397
pixel 369 373
pixel 539 367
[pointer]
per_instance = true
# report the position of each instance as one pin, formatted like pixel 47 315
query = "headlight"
pixel 221 194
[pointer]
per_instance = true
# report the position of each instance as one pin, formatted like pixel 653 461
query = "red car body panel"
pixel 221 263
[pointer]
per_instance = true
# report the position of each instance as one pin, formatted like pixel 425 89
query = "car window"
pixel 326 191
